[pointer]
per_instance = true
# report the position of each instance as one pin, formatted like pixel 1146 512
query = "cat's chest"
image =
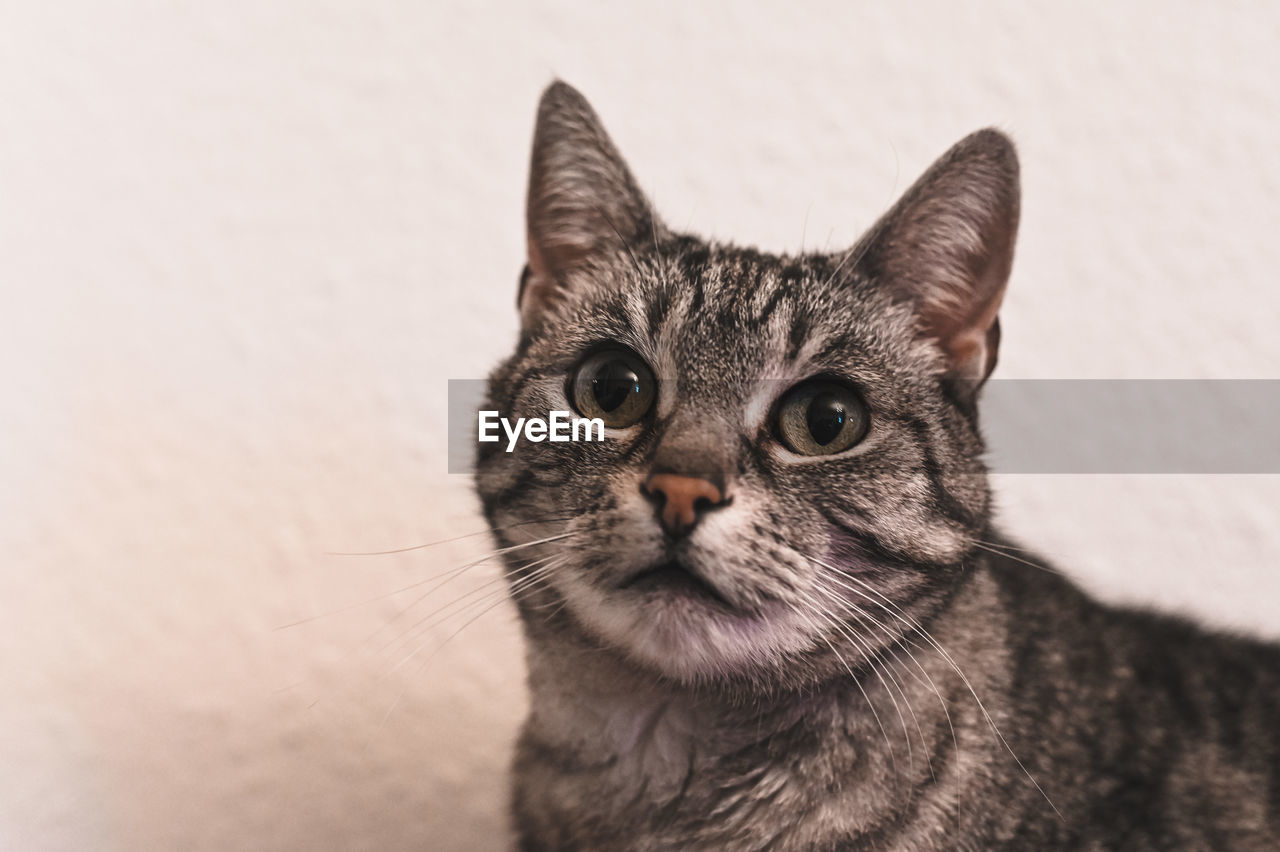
pixel 672 772
pixel 633 742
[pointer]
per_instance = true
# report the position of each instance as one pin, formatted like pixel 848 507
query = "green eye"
pixel 614 385
pixel 820 418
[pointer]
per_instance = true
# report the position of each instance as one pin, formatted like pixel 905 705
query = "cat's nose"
pixel 682 500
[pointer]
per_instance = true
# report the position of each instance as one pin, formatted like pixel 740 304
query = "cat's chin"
pixel 684 629
pixel 673 580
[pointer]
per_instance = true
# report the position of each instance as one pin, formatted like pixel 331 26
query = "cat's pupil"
pixel 613 383
pixel 825 418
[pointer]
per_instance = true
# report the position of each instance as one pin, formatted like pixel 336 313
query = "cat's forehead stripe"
pixel 708 301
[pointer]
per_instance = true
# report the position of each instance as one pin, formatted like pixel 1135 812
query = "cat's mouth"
pixel 674 578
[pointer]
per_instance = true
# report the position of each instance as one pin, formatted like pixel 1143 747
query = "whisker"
pixel 440 579
pixel 438 649
pixel 870 656
pixel 413 628
pixel 452 575
pixel 563 603
pixel 516 588
pixel 429 658
pixel 950 661
pixel 449 574
pixel 946 711
pixel 856 682
pixel 444 540
pixel 990 548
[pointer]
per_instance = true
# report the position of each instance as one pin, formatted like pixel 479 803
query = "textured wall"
pixel 243 246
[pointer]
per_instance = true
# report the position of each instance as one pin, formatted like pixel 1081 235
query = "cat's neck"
pixel 606 716
pixel 599 710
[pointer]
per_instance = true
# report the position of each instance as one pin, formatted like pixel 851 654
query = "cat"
pixel 770 611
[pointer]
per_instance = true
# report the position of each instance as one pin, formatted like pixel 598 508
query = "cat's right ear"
pixel 584 211
pixel 947 248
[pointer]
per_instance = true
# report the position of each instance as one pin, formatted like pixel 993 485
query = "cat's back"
pixel 1166 733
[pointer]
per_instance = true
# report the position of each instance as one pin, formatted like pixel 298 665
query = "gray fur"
pixel 887 672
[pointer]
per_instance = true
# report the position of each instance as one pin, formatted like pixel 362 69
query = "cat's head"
pixel 791 469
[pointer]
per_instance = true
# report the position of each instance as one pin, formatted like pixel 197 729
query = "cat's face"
pixel 790 446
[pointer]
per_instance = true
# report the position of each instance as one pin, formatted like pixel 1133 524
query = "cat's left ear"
pixel 585 211
pixel 947 247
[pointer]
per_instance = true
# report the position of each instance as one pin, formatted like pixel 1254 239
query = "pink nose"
pixel 681 499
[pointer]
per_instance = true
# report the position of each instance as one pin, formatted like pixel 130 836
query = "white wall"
pixel 244 245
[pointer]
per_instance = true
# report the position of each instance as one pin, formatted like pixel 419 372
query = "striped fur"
pixel 882 675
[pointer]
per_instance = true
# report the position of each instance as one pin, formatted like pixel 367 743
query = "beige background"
pixel 244 245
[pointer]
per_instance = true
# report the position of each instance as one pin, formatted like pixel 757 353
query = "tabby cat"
pixel 769 611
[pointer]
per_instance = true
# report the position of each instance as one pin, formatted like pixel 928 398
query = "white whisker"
pixel 454 573
pixel 870 657
pixel 856 682
pixel 413 628
pixel 950 661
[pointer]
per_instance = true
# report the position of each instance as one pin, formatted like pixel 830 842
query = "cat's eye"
pixel 822 417
pixel 614 385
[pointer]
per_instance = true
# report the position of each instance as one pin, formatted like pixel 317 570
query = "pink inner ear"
pixel 947 248
pixel 539 289
pixel 958 311
pixel 583 204
pixel 971 335
pixel 550 262
pixel 972 353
